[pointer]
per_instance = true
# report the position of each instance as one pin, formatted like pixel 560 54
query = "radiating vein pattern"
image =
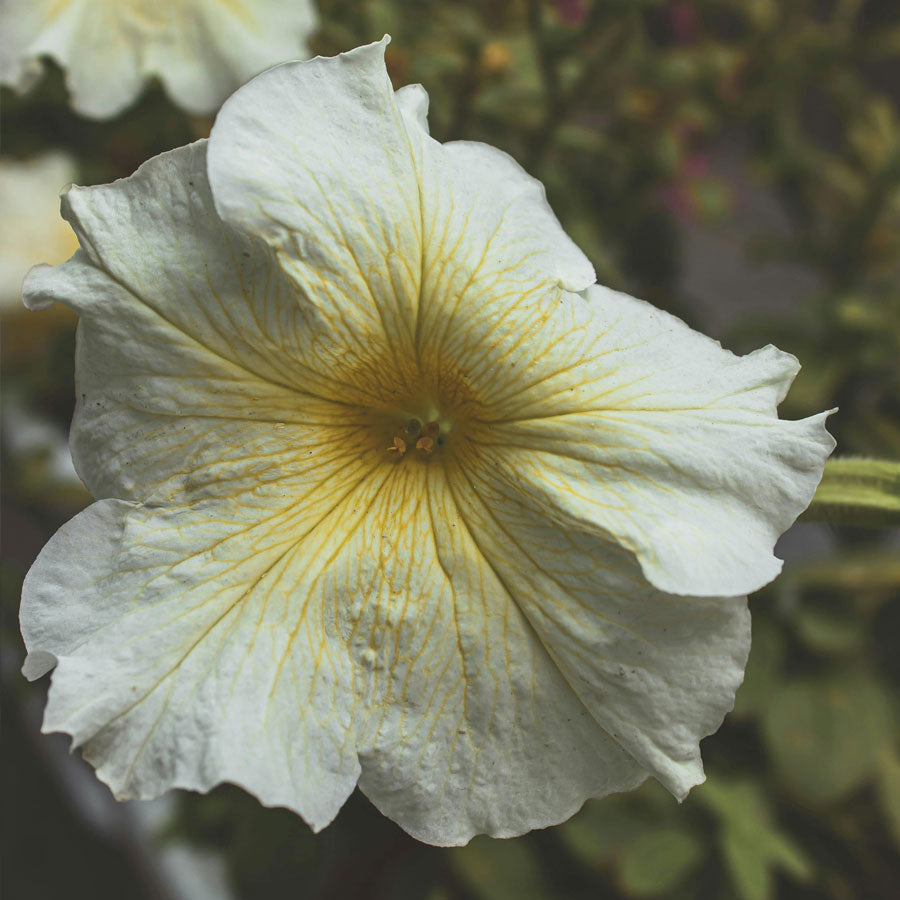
pixel 389 493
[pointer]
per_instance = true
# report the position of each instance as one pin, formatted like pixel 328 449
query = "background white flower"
pixel 201 50
pixel 31 230
pixel 390 492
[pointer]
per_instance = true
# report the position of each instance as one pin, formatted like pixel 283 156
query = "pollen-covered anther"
pixel 425 444
pixel 398 448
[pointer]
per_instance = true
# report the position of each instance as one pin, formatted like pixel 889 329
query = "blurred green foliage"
pixel 625 108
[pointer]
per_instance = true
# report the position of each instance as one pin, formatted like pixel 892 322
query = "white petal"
pixel 465 724
pixel 97 50
pixel 201 50
pixel 195 646
pixel 386 228
pixel 182 661
pixel 488 227
pixel 314 158
pixel 191 341
pixel 632 427
pixel 658 672
pixel 413 102
pixel 20 22
pixel 490 232
pixel 29 220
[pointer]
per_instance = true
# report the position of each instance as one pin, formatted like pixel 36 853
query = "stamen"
pixel 426 435
pixel 398 447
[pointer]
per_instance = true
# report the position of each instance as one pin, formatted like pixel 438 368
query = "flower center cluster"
pixel 427 422
pixel 418 436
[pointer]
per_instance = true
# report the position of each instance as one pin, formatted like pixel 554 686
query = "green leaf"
pixel 752 846
pixel 739 804
pixel 825 738
pixel 603 828
pixel 856 570
pixel 763 669
pixel 830 631
pixel 499 869
pixel 858 492
pixel 751 860
pixel 889 789
pixel 749 870
pixel 659 860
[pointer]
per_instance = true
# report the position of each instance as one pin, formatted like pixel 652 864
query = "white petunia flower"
pixel 201 50
pixel 31 230
pixel 391 493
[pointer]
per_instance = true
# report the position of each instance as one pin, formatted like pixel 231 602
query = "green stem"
pixel 858 492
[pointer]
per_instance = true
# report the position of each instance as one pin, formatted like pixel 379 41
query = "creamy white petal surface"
pixel 391 494
pixel 635 427
pixel 201 50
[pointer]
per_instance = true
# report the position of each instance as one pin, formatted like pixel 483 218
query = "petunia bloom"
pixel 390 492
pixel 201 50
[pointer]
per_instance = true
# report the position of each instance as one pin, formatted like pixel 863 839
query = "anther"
pixel 398 447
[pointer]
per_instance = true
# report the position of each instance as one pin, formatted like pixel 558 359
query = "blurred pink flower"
pixel 683 21
pixel 696 193
pixel 572 12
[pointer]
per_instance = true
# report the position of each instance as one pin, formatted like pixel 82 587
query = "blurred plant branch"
pixel 858 492
pixel 598 41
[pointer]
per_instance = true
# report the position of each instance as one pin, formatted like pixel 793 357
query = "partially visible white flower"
pixel 390 492
pixel 31 230
pixel 26 433
pixel 201 50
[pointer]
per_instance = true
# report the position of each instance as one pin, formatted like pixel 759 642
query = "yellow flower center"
pixel 415 435
pixel 419 432
pixel 426 412
pixel 435 412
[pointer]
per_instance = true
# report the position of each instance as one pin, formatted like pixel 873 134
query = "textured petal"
pixel 489 232
pixel 464 718
pixel 631 426
pixel 495 262
pixel 314 158
pixel 195 647
pixel 200 49
pixel 184 658
pixel 393 233
pixel 658 672
pixel 190 341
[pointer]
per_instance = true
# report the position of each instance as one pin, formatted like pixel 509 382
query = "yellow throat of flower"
pixel 427 420
pixel 419 431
